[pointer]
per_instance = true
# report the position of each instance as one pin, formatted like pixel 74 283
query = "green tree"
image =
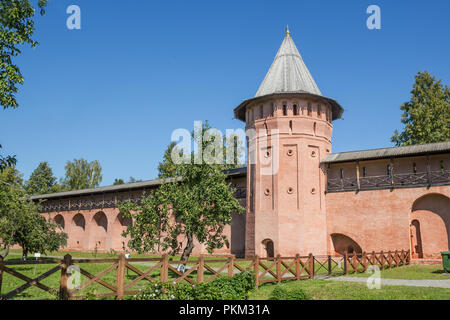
pixel 42 180
pixel 21 223
pixel 16 30
pixel 6 161
pixel 81 174
pixel 427 115
pixel 118 182
pixel 133 180
pixel 195 203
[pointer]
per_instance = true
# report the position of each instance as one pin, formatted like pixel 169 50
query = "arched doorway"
pixel 343 243
pixel 77 232
pixel 99 231
pixel 430 216
pixel 268 248
pixel 416 240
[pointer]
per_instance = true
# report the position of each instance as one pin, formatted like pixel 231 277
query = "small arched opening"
pixel 268 248
pixel 416 240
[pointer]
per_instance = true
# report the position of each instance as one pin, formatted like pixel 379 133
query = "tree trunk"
pixel 5 253
pixel 24 254
pixel 189 247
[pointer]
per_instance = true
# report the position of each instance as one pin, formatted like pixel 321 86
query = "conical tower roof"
pixel 288 72
pixel 288 76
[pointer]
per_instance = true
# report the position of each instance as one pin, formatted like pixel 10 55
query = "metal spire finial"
pixel 287 31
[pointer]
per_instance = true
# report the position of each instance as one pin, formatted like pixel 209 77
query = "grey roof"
pixel 288 75
pixel 123 187
pixel 407 151
pixel 288 72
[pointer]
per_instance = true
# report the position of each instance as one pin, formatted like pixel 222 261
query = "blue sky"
pixel 116 89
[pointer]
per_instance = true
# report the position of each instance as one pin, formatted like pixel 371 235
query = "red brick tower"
pixel 292 122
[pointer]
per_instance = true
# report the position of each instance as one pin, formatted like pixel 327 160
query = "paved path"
pixel 445 283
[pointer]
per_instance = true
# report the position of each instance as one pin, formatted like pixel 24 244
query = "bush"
pixel 280 293
pixel 221 288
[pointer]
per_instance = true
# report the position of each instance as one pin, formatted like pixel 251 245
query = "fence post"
pixel 200 269
pixel 278 268
pixel 231 266
pixel 297 266
pixel 329 265
pixel 345 262
pixel 164 273
pixel 402 257
pixel 256 271
pixel 382 259
pixel 408 256
pixel 396 258
pixel 389 259
pixel 311 266
pixel 374 259
pixel 120 275
pixel 64 291
pixel 364 260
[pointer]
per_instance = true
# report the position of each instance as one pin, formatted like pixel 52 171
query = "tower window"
pixel 363 171
pixel 295 110
pixel 319 110
pixel 284 110
pixel 309 109
pixel 414 167
pixel 389 170
pixel 342 173
pixel 442 166
pixel 261 111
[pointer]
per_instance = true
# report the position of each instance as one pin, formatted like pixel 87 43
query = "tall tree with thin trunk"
pixel 82 174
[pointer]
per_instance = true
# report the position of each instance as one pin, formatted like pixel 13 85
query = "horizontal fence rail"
pixel 114 279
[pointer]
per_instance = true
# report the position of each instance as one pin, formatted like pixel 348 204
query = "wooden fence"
pixel 198 270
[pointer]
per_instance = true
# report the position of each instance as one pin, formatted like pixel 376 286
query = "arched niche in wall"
pixel 77 231
pixel 432 213
pixel 119 226
pixel 99 231
pixel 59 220
pixel 343 243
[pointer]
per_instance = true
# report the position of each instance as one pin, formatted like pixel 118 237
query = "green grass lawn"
pixel 336 290
pixel 411 272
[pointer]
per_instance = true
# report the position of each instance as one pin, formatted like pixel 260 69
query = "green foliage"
pixel 81 174
pixel 16 30
pixel 20 222
pixel 118 182
pixel 6 161
pixel 42 180
pixel 167 168
pixel 427 115
pixel 281 293
pixel 221 288
pixel 194 201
